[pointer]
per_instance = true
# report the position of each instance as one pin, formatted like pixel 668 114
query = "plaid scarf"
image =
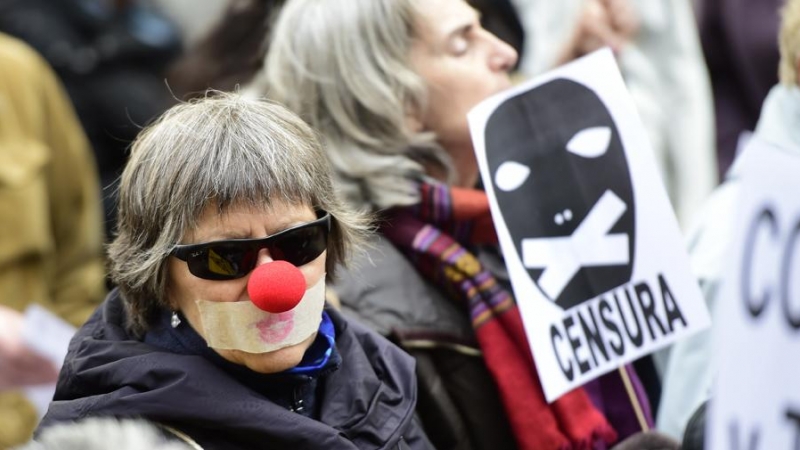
pixel 435 235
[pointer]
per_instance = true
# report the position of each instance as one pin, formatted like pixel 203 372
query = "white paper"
pixel 627 229
pixel 49 335
pixel 756 397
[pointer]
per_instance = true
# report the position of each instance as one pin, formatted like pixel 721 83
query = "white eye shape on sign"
pixel 590 142
pixel 511 175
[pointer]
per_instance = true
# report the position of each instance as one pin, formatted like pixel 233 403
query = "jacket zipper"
pixel 297 399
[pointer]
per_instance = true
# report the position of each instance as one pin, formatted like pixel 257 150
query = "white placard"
pixel 594 252
pixel 49 335
pixel 756 397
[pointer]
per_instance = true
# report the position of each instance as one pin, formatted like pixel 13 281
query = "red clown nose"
pixel 276 287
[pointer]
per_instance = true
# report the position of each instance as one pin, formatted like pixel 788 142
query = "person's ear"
pixel 169 301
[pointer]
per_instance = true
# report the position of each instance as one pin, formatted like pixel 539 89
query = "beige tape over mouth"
pixel 243 326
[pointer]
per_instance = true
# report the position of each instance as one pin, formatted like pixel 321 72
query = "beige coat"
pixel 50 221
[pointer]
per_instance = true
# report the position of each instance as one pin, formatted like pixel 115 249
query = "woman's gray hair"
pixel 221 151
pixel 108 433
pixel 343 66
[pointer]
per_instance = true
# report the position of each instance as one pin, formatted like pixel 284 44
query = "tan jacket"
pixel 50 220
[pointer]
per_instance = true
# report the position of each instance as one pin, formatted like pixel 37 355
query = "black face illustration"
pixel 562 182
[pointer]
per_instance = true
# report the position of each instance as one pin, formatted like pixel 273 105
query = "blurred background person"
pixel 192 18
pixel 388 85
pixel 111 56
pixel 50 213
pixel 690 371
pixel 229 229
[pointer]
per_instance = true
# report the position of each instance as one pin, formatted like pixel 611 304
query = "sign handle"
pixel 637 407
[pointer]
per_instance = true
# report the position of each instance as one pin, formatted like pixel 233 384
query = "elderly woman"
pixel 228 229
pixel 388 84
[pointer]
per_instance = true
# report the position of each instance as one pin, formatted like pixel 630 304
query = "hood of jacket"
pixel 367 403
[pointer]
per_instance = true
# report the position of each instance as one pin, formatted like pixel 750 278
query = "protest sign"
pixel 756 397
pixel 597 262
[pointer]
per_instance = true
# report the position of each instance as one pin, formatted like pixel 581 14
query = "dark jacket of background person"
pixel 741 49
pixel 50 222
pixel 368 402
pixel 110 57
pixel 458 399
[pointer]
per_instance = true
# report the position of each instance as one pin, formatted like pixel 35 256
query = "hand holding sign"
pixel 600 23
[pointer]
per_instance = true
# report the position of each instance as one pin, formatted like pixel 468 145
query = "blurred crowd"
pixel 385 86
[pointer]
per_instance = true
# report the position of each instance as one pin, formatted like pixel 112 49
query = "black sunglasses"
pixel 235 258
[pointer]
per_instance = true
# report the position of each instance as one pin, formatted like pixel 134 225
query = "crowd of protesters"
pixel 314 145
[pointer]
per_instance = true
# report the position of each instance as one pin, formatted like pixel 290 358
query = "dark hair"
pixel 229 55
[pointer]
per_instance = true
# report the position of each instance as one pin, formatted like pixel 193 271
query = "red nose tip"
pixel 276 287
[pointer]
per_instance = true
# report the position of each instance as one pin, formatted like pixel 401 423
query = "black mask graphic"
pixel 562 182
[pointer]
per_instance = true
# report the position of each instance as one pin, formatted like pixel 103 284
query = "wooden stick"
pixel 637 407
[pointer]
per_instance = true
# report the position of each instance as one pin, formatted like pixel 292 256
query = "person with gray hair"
pixel 388 84
pixel 107 433
pixel 229 227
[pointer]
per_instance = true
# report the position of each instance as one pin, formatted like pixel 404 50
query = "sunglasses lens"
pixel 300 246
pixel 223 262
